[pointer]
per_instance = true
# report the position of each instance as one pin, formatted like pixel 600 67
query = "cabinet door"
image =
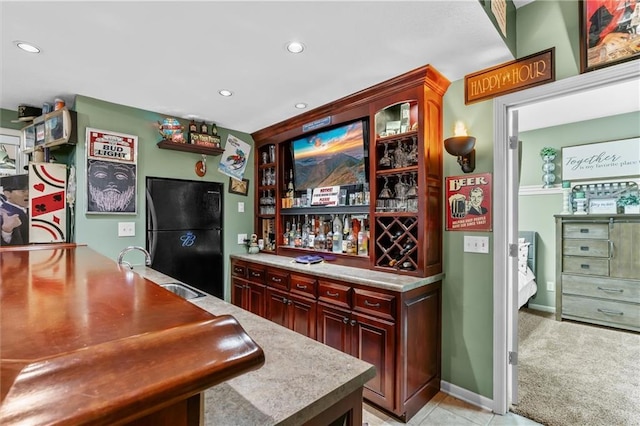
pixel 255 298
pixel 374 342
pixel 625 238
pixel 277 303
pixel 238 292
pixel 333 327
pixel 302 315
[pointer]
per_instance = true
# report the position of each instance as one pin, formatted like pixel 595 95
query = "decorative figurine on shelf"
pixel 204 128
pixel 253 245
pixel 170 129
pixel 214 133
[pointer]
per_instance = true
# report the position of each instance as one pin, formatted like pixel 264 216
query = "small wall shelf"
pixel 188 147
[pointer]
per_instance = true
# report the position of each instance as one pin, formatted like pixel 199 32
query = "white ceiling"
pixel 173 57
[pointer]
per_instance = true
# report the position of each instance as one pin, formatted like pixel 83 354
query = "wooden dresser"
pixel 598 269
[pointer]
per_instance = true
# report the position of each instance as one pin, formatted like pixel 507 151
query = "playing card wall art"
pixel 47 203
pixel 111 172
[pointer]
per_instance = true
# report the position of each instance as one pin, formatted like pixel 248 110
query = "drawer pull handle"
pixel 345 320
pixel 610 312
pixel 584 230
pixel 301 287
pixel 276 280
pixel 373 305
pixel 353 323
pixel 332 294
pixel 584 266
pixel 255 274
pixel 237 269
pixel 584 248
pixel 611 290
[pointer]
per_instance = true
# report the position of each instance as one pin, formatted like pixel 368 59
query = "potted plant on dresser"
pixel 629 204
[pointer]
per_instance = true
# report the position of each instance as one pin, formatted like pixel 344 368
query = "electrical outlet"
pixel 476 244
pixel 551 286
pixel 241 238
pixel 240 206
pixel 126 229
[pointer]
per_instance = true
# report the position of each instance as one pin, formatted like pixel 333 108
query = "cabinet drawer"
pixel 603 288
pixel 256 274
pixel 586 230
pixel 585 265
pixel 239 270
pixel 334 293
pixel 279 279
pixel 594 248
pixel 370 302
pixel 303 285
pixel 602 311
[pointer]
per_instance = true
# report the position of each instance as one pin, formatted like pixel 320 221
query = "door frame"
pixel 506 200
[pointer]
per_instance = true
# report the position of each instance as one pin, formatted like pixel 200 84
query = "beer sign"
pixel 469 202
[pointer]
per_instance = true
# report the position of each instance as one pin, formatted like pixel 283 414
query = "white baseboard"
pixel 466 395
pixel 542 308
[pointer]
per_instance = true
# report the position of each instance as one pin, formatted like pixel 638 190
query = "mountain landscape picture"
pixel 331 158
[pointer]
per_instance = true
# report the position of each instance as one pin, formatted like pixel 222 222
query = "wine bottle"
pixel 337 235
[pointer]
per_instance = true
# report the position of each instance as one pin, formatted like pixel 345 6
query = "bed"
pixel 527 250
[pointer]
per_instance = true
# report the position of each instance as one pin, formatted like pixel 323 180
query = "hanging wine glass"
pixel 400 157
pixel 386 192
pixel 412 157
pixel 385 161
pixel 412 192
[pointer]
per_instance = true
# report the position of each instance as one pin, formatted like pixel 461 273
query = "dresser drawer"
pixel 604 288
pixel 239 269
pixel 334 293
pixel 279 279
pixel 256 274
pixel 594 248
pixel 586 230
pixel 374 303
pixel 303 285
pixel 622 314
pixel 585 265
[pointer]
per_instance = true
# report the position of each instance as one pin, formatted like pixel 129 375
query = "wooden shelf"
pixel 187 147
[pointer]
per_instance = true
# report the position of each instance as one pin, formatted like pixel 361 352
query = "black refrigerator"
pixel 184 231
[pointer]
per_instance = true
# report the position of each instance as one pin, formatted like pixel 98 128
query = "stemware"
pixel 385 161
pixel 386 192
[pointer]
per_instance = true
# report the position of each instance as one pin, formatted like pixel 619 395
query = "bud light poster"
pixel 469 202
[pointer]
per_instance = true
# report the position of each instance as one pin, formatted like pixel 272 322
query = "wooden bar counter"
pixel 84 341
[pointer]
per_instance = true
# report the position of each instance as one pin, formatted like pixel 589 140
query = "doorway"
pixel 538 103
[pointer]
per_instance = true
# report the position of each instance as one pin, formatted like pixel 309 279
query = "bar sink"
pixel 183 290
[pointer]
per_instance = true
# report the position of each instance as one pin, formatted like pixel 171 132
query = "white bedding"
pixel 527 286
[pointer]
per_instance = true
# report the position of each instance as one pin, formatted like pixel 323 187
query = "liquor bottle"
pixel 298 237
pixel 337 235
pixel 285 236
pixel 329 237
pixel 363 240
pixel 345 235
pixel 305 232
pixel 290 188
pixel 320 240
pixel 292 234
pixel 204 128
pixel 193 127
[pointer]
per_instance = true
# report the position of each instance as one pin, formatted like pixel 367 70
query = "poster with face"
pixel 469 202
pixel 111 172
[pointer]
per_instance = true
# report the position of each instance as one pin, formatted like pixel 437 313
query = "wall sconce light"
pixel 461 146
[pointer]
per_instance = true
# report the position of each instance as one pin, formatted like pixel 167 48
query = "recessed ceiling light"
pixel 27 47
pixel 301 105
pixel 225 92
pixel 295 47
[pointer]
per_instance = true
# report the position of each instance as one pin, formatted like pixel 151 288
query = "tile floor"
pixel 444 409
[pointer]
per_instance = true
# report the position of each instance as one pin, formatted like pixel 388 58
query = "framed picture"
pixel 469 202
pixel 612 159
pixel 238 186
pixel 609 32
pixel 111 172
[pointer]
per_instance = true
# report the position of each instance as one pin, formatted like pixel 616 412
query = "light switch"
pixel 126 229
pixel 476 244
pixel 241 238
pixel 240 206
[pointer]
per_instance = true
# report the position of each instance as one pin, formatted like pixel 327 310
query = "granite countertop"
pixel 299 379
pixel 382 280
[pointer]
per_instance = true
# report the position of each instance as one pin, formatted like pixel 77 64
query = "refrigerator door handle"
pixel 154 219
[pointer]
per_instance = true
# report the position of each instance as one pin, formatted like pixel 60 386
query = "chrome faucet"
pixel 147 256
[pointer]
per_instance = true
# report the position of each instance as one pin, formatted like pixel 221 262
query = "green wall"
pixel 467 325
pixel 536 211
pixel 100 231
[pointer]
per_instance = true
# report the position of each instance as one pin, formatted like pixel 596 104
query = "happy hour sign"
pixel 601 160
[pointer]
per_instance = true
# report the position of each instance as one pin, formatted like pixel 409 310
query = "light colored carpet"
pixel 577 374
